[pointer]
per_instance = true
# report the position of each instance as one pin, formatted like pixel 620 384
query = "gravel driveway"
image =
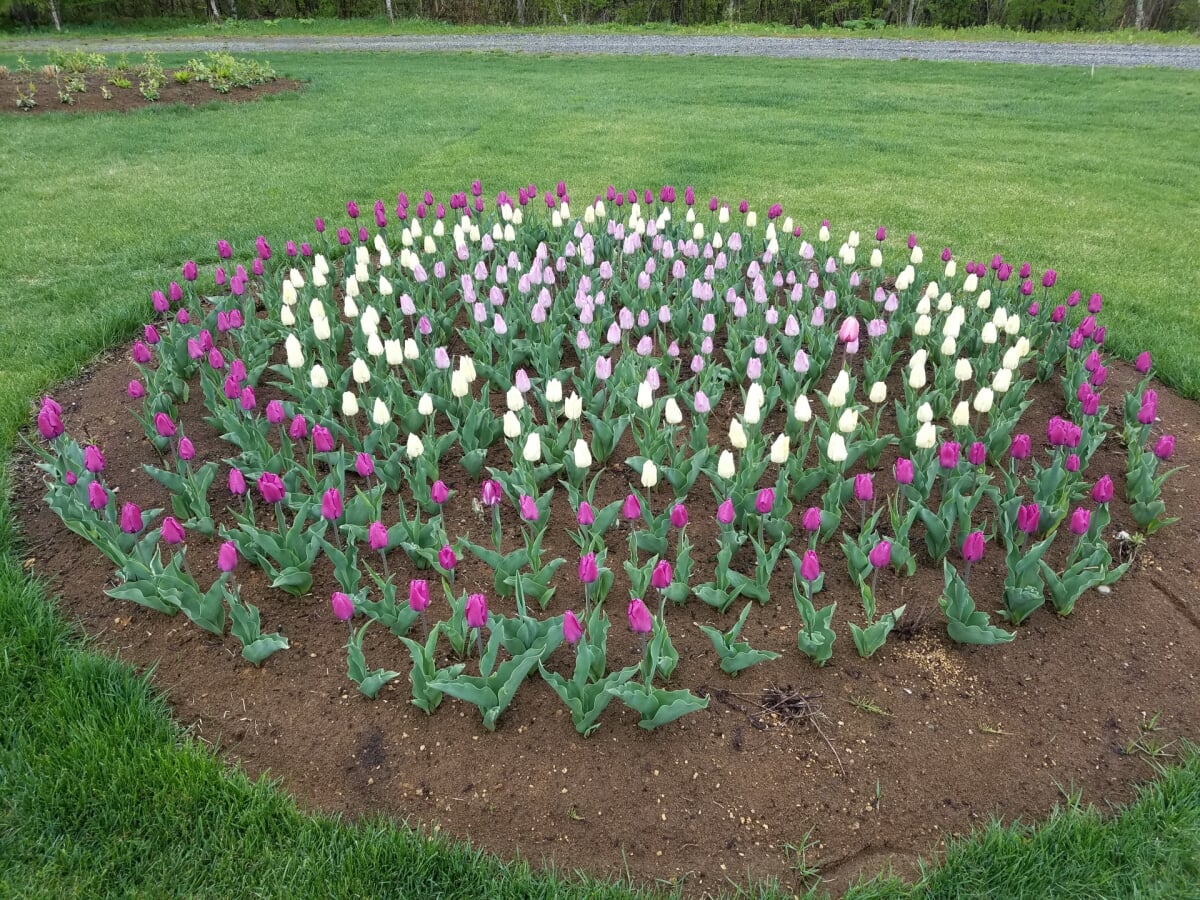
pixel 680 45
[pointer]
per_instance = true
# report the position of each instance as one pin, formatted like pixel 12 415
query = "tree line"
pixel 1025 15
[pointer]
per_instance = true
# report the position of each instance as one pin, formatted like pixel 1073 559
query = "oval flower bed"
pixel 520 447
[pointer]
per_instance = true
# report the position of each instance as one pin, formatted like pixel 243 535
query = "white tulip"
pixel 848 421
pixel 369 320
pixel 717 240
pixel 439 228
pixel 1002 380
pixel 837 448
pixel 921 328
pixel 317 377
pixel 918 255
pixel 781 448
pixel 983 400
pixel 649 474
pixel 672 412
pixel 533 448
pixel 904 280
pixel 945 302
pixel 411 351
pixel 916 378
pixel 923 307
pixel 379 412
pixel 1000 317
pixel 723 215
pixel 988 334
pixel 514 400
pixel 924 413
pixel 725 466
pixel 755 394
pixel 467 366
pixel 926 436
pixel 458 384
pixel 414 447
pixel 802 410
pixel 362 255
pixel 932 290
pixel 698 231
pixel 752 413
pixel 918 359
pixel 316 309
pixel 319 279
pixel 1013 325
pixel 789 225
pixel 349 404
pixel 971 283
pixel 737 435
pixel 1012 359
pixel 295 353
pixel 583 455
pixel 425 405
pixel 286 317
pixel 951 269
pixel 385 258
pixel 751 219
pixel 948 348
pixel 321 264
pixel 556 219
pixel 321 330
pixel 361 273
pixel 374 346
pixel 512 425
pixel 985 300
pixel 823 234
pixel 573 407
pixel 962 370
pixel 645 396
pixel 385 286
pixel 416 228
pixel 876 259
pixel 853 239
pixel 961 415
pixel 840 389
pixel 393 352
pixel 554 391
pixel 287 294
pixel 360 372
pixel 878 393
pixel 1022 346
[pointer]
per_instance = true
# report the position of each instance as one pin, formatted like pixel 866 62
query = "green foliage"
pixel 247 628
pixel 736 655
pixel 223 71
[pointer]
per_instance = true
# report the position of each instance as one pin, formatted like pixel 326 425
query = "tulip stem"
pixel 424 626
pixel 478 643
pixel 967 574
pixel 383 556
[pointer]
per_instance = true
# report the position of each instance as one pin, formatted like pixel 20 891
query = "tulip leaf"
pixel 715 597
pixel 965 624
pixel 369 682
pixel 247 628
pixel 656 705
pixel 736 655
pixel 870 639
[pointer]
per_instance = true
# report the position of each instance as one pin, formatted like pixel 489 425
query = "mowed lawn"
pixel 1093 174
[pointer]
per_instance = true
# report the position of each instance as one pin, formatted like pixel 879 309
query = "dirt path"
pixel 1123 56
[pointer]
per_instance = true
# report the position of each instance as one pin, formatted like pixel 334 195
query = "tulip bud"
pixel 916 378
pixel 447 558
pixel 810 566
pixel 418 595
pixel 679 516
pixel 725 464
pixel 725 512
pixel 836 450
pixel 554 391
pixel 661 577
pixel 1029 516
pixel 573 407
pixel 377 536
pixel 1081 520
pixel 878 393
pixel 1164 448
pixel 983 400
pixel 343 606
pixel 1102 492
pixel 512 425
pixel 926 436
pixel 764 502
pixel 780 450
pixel 848 421
pixel 903 471
pixel 528 508
pixel 924 413
pixel 880 555
pixel 477 611
pixel 414 447
pixel 533 448
pixel 962 370
pixel 737 435
pixel 172 531
pixel 640 620
pixel 961 415
pixel 582 454
pixel 1002 380
pixel 802 410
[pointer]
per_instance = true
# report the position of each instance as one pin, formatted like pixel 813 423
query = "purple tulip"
pixel 811 520
pixel 418 595
pixel 972 548
pixel 1142 364
pixel 679 515
pixel 1164 449
pixel 640 620
pixel 1048 278
pixel 529 510
pixel 490 492
pixel 275 413
pixel 447 558
pixel 298 430
pixel 586 515
pixel 237 482
pixel 439 493
pixel 1021 447
pixel 1029 517
pixel 343 606
pixel 93 459
pixel 904 471
pixel 588 570
pixel 632 507
pixel 476 611
pixel 163 425
pixel 1071 464
pixel 136 390
pixel 1081 520
pixel 572 630
pixel 977 454
pixel 172 531
pixel 1102 491
pixel 810 566
pixel 227 557
pixel 331 504
pixel 97 495
pixel 765 501
pixel 948 454
pixel 248 399
pixel 364 465
pixel 881 554
pixel 660 578
pixel 322 439
pixel 271 487
pixel 864 488
pixel 725 512
pixel 175 292
pixel 71 479
pixel 131 518
pixel 377 536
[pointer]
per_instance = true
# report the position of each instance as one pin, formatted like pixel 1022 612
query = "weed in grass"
pixel 867 705
pixel 807 872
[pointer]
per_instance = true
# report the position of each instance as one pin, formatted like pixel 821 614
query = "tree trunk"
pixel 520 12
pixel 391 15
pixel 911 8
pixel 54 15
pixel 216 12
pixel 1139 21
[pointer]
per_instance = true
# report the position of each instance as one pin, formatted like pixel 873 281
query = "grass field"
pixel 1092 175
pixel 160 28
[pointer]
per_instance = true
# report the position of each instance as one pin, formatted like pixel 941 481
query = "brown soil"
pixel 47 87
pixel 965 734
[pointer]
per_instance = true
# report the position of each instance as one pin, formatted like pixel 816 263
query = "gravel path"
pixel 680 45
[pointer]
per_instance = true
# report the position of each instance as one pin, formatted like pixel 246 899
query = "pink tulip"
pixel 588 570
pixel 237 482
pixel 1164 449
pixel 1102 492
pixel 864 487
pixel 810 566
pixel 725 512
pixel 490 492
pixel 331 504
pixel 632 507
pixel 881 554
pixel 765 501
pixel 271 487
pixel 172 531
pixel 640 620
pixel 343 606
pixel 163 425
pixel 364 465
pixel 93 459
pixel 1020 447
pixel 660 578
pixel 572 630
pixel 187 450
pixel 679 515
pixel 136 390
pixel 948 454
pixel 439 493
pixel 447 558
pixel 812 519
pixel 418 595
pixel 322 439
pixel 904 471
pixel 476 611
pixel 227 557
pixel 586 515
pixel 131 518
pixel 275 413
pixel 529 510
pixel 973 546
pixel 977 454
pixel 1029 516
pixel 298 430
pixel 1081 519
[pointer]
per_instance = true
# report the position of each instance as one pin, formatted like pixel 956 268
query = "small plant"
pixel 182 76
pixel 867 705
pixel 105 92
pixel 76 84
pixel 66 97
pixel 122 64
pixel 807 872
pixel 1146 743
pixel 736 655
pixel 27 100
pixel 151 77
pixel 23 65
pixel 120 81
pixel 51 71
pixel 3 71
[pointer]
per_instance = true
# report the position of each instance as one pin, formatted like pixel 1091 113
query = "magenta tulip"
pixel 331 504
pixel 343 606
pixel 1142 364
pixel 377 536
pixel 1102 491
pixel 237 482
pixel 1029 516
pixel 490 492
pixel 476 611
pixel 977 454
pixel 136 390
pixel 632 507
pixel 298 430
pixel 812 519
pixel 1021 447
pixel 529 510
pixel 418 595
pixel 640 620
pixel 322 439
pixel 447 558
pixel 1081 519
pixel 725 512
pixel 588 570
pixel 275 413
pixel 187 450
pixel 810 566
pixel 765 501
pixel 1164 449
pixel 163 425
pixel 364 465
pixel 948 454
pixel 172 531
pixel 972 548
pixel 97 495
pixel 881 554
pixel 93 459
pixel 586 515
pixel 660 578
pixel 572 630
pixel 271 487
pixel 864 487
pixel 439 493
pixel 904 471
pixel 227 557
pixel 679 515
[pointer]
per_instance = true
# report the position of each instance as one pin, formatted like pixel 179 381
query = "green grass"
pixel 175 28
pixel 100 794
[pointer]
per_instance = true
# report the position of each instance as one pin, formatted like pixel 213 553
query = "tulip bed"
pixel 654 360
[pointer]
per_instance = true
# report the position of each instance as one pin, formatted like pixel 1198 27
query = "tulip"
pixel 322 439
pixel 972 548
pixel 660 578
pixel 837 448
pixel 649 474
pixel 1142 364
pixel 881 554
pixel 632 507
pixel 926 437
pixel 588 569
pixel 187 451
pixel 737 435
pixel 586 515
pixel 418 595
pixel 414 446
pixel 490 492
pixel 948 454
pixel 725 464
pixel 1102 491
pixel 93 459
pixel 439 493
pixel 640 620
pixel 343 606
pixel 679 515
pixel 163 425
pixel 1029 517
pixel 448 559
pixel 904 471
pixel 1021 447
pixel 477 611
pixel 377 536
pixel 781 448
pixel 572 629
pixel 227 557
pixel 172 531
pixel 331 504
pixel 1081 519
pixel 848 333
pixel 864 488
pixel 810 567
pixel 97 495
pixel 528 507
pixel 1164 449
pixel 725 512
pixel 271 487
pixel 582 454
